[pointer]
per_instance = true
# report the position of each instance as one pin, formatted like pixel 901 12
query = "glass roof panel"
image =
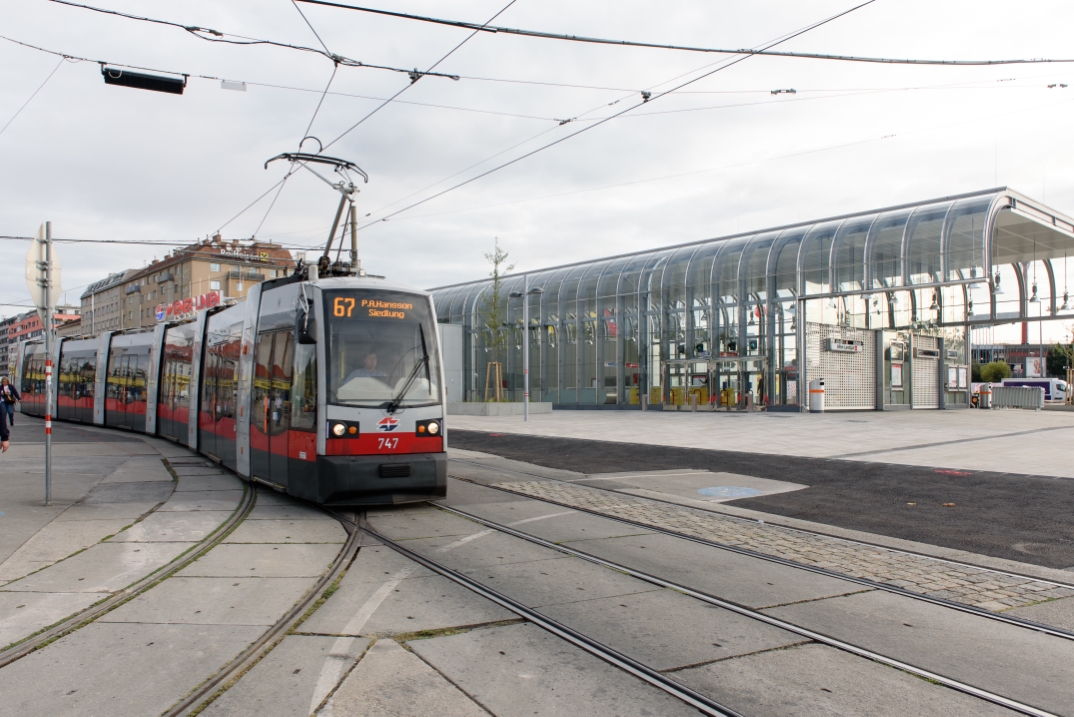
pixel 848 254
pixel 884 260
pixel 816 257
pixel 923 243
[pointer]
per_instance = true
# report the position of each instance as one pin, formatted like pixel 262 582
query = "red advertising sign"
pixel 185 307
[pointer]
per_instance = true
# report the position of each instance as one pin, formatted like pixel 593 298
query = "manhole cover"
pixel 729 491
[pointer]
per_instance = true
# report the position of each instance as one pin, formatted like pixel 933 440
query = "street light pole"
pixel 50 340
pixel 526 348
pixel 525 296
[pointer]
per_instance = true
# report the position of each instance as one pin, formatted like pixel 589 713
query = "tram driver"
pixel 368 370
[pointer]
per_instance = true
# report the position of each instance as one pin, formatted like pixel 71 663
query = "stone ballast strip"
pixel 976 587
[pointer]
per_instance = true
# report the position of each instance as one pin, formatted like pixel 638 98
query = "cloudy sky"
pixel 722 155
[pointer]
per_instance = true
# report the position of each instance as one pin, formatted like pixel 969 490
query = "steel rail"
pixel 205 693
pixel 129 593
pixel 640 670
pixel 1017 621
pixel 762 617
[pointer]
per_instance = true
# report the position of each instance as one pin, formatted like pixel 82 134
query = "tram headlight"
pixel 339 429
pixel 428 428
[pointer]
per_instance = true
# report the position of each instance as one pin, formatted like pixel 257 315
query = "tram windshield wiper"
pixel 393 405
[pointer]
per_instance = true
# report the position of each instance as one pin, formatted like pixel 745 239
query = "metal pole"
pixel 48 363
pixel 526 348
pixel 335 225
pixel 354 239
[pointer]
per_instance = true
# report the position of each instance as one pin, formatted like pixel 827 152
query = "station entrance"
pixel 721 383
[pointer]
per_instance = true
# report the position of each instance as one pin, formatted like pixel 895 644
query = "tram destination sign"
pixel 849 346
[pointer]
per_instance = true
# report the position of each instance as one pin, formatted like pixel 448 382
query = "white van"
pixel 1055 389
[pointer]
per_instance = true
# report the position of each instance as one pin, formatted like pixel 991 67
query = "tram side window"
pixel 281 382
pixel 208 387
pixel 262 368
pixel 304 388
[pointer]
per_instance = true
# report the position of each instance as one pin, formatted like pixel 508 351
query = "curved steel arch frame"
pixel 662 296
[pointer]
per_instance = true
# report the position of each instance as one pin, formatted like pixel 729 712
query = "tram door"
pixel 270 414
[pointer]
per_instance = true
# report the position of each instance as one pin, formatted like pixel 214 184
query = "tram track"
pixel 1019 622
pixel 703 702
pixel 205 693
pixel 127 594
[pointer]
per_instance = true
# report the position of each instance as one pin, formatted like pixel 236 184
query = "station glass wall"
pixel 601 331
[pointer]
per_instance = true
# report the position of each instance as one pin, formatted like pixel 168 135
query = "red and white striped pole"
pixel 50 341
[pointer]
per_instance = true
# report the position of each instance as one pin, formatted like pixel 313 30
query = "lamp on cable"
pixel 996 288
pixel 1035 298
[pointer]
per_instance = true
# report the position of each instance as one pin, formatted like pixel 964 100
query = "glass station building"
pixel 878 304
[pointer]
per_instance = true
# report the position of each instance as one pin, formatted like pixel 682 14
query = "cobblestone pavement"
pixel 977 587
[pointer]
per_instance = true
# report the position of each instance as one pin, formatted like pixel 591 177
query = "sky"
pixel 720 156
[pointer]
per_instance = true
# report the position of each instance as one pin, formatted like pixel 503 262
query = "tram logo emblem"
pixel 387 424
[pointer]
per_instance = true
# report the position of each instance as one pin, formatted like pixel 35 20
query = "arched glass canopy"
pixel 601 330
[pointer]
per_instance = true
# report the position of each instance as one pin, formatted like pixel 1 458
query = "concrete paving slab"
pixel 55 542
pixel 105 511
pixel 419 603
pixel 286 512
pixel 462 492
pixel 23 614
pixel 489 548
pixel 282 684
pixel 288 531
pixel 204 500
pixel 221 481
pixel 1059 613
pixel 1016 662
pixel 214 601
pixel 105 567
pixel 424 524
pixel 263 561
pixel 120 670
pixel 375 564
pixel 819 681
pixel 562 528
pixel 404 509
pixel 704 486
pixel 129 492
pixel 391 682
pixel 140 469
pixel 512 670
pixel 169 527
pixel 739 578
pixel 551 582
pixel 667 630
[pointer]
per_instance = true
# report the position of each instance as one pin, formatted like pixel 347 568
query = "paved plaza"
pixel 1014 441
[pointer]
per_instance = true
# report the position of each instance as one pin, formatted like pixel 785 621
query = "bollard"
pixel 816 395
pixel 645 403
pixel 693 402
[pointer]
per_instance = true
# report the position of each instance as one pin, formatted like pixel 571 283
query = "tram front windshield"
pixel 382 349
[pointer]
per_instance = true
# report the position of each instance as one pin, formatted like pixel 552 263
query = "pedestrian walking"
pixel 9 396
pixel 4 435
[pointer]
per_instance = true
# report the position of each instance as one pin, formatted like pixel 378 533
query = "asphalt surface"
pixel 1018 517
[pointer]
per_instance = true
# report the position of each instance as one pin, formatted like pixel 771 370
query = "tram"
pixel 327 386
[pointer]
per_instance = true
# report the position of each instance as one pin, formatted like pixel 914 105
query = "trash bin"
pixel 816 395
pixel 984 397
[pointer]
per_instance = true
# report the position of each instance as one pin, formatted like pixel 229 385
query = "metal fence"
pixel 1017 397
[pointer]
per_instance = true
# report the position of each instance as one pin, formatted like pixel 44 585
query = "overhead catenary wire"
pixel 683 48
pixel 730 63
pixel 211 35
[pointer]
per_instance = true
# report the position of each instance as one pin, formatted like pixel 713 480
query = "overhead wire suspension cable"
pixel 415 78
pixel 724 66
pixel 31 98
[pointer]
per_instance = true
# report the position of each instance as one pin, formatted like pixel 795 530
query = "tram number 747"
pixel 388 443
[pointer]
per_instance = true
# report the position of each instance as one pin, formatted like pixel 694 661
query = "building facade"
pixel 133 299
pixel 878 304
pixel 24 327
pixel 102 304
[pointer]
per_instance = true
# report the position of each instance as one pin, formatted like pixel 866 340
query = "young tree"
pixel 493 308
